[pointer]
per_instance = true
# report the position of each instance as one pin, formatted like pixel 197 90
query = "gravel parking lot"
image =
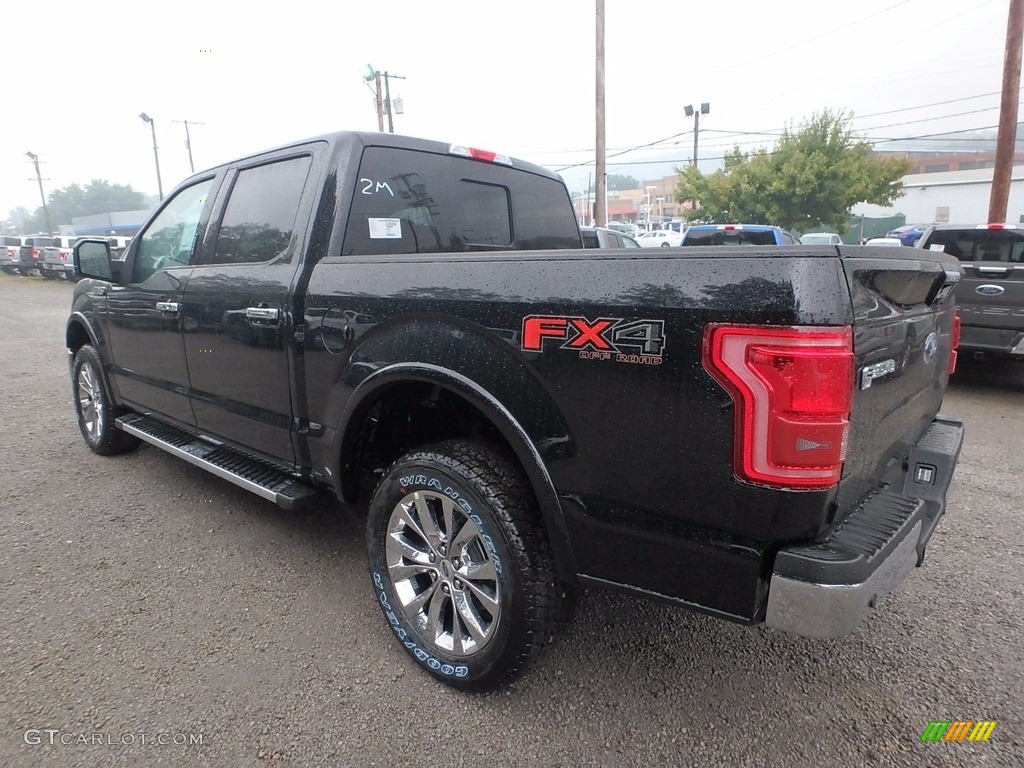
pixel 149 606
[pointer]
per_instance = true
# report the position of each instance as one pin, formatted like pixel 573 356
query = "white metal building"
pixel 957 197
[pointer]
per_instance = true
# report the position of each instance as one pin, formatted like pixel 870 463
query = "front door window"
pixel 170 239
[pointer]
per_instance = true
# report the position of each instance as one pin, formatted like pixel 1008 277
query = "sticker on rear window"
pixel 385 229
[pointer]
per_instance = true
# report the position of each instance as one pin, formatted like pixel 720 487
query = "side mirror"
pixel 92 259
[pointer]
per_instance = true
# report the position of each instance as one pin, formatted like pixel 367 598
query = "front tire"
pixel 461 566
pixel 94 408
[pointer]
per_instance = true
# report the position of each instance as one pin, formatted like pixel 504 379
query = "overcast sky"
pixel 512 77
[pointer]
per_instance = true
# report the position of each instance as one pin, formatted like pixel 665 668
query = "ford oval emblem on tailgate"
pixel 989 290
pixel 931 346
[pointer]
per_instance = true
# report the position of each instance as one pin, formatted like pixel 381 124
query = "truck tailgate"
pixel 903 338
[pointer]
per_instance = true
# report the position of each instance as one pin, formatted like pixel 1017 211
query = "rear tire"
pixel 461 566
pixel 94 408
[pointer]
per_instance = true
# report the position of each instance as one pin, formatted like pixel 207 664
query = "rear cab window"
pixel 696 236
pixel 999 245
pixel 410 201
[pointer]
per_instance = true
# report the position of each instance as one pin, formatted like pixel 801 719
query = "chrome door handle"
pixel 167 306
pixel 262 313
pixel 993 270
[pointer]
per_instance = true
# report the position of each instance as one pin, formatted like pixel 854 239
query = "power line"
pixel 775 132
pixel 887 50
pixel 779 134
pixel 770 152
pixel 804 42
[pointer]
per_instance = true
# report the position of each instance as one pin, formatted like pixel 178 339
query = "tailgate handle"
pixel 264 314
pixel 993 271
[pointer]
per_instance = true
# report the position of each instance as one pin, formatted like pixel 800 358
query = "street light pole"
pixel 156 155
pixel 705 108
pixel 42 196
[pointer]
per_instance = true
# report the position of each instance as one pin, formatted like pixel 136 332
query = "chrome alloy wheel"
pixel 442 573
pixel 90 402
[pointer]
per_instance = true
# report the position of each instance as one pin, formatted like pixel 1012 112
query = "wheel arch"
pixel 79 332
pixel 400 378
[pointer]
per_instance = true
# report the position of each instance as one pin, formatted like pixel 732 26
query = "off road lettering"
pixel 606 338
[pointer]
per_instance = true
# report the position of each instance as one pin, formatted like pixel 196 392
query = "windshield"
pixel 817 239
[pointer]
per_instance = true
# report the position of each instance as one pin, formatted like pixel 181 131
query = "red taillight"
pixel 64 255
pixel 479 154
pixel 954 345
pixel 792 388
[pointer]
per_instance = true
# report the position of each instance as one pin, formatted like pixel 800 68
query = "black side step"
pixel 250 473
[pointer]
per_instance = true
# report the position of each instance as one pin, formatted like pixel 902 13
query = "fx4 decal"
pixel 606 338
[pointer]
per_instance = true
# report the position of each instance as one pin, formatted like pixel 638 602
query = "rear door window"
pixel 408 201
pixel 259 218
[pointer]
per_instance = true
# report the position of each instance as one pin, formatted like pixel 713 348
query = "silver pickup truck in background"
pixel 990 298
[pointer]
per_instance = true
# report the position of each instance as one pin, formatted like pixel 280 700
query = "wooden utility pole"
pixel 380 103
pixel 188 142
pixel 600 204
pixel 42 196
pixel 1007 138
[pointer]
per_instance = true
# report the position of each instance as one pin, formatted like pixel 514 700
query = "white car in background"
pixel 660 238
pixel 884 241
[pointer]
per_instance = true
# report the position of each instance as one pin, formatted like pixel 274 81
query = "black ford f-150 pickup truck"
pixel 749 432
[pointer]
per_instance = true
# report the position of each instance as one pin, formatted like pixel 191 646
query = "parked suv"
pixel 737 234
pixel 990 298
pixel 10 253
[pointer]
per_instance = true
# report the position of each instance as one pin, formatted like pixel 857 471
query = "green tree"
pixel 98 196
pixel 810 180
pixel 619 181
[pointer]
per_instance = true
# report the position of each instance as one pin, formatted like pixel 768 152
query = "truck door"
pixel 143 316
pixel 239 317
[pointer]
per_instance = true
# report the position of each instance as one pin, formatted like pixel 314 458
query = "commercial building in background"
pixel 123 223
pixel 949 197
